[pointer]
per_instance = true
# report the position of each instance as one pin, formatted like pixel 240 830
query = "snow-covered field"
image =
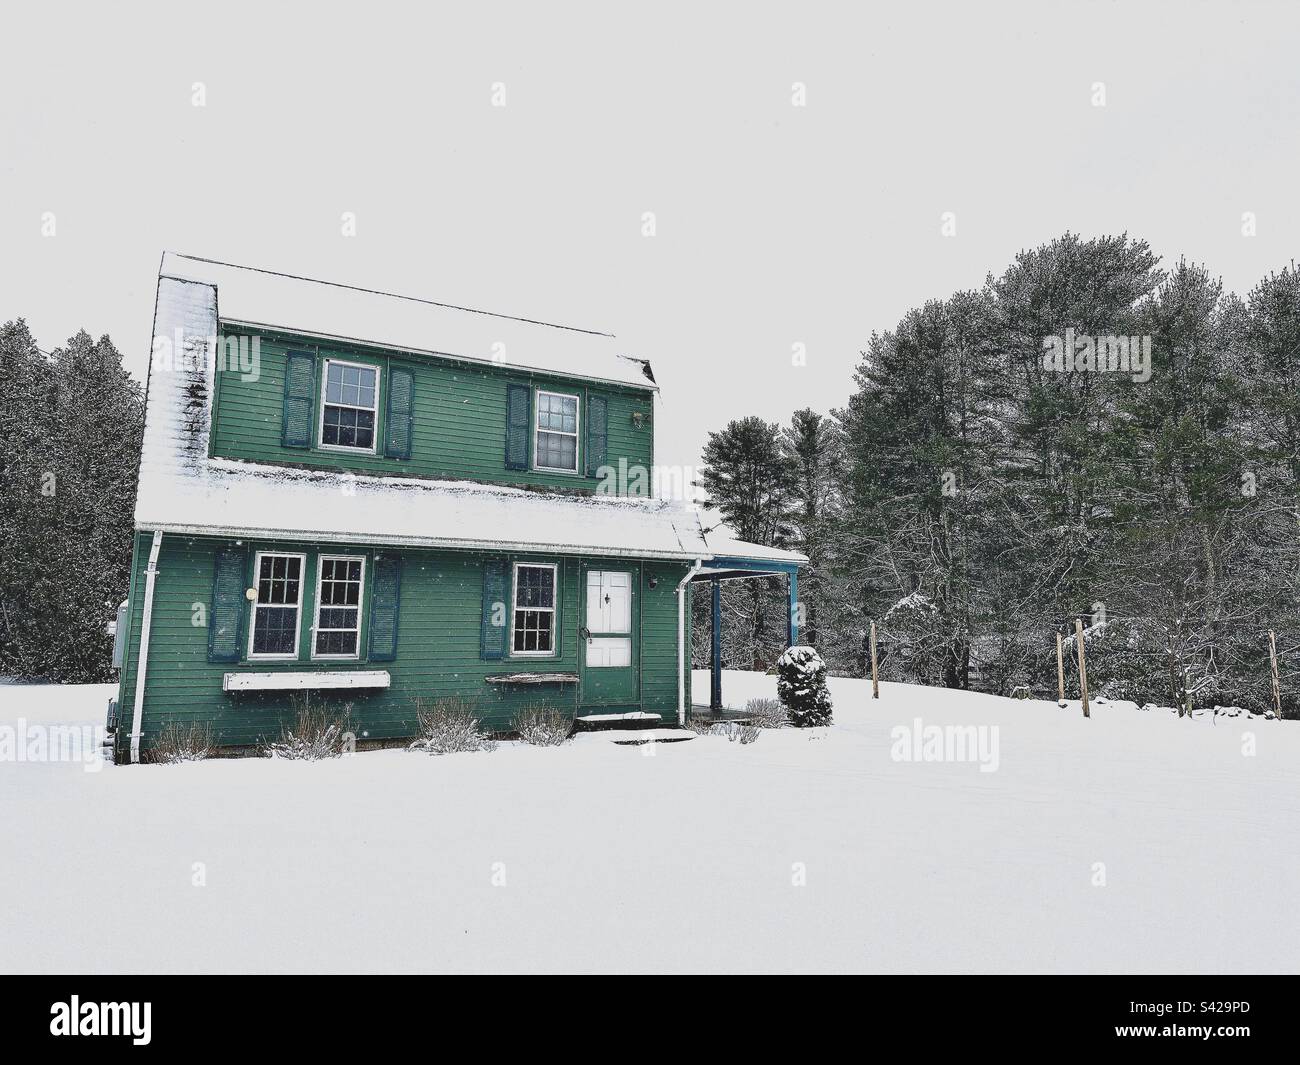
pixel 1130 842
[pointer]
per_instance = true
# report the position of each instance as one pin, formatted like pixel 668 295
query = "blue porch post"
pixel 792 619
pixel 715 680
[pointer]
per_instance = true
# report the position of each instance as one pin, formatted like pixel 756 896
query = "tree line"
pixel 1086 436
pixel 70 426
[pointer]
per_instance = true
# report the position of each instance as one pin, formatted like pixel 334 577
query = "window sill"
pixel 286 681
pixel 532 678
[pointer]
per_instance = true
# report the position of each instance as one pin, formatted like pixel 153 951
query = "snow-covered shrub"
pixel 318 731
pixel 449 726
pixel 801 684
pixel 181 743
pixel 767 713
pixel 543 726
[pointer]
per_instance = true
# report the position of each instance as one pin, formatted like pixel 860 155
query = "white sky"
pixel 776 224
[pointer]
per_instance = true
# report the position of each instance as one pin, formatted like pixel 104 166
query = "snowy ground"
pixel 685 856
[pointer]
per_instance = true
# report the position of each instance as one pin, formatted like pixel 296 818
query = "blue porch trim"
pixel 724 567
pixel 792 615
pixel 715 680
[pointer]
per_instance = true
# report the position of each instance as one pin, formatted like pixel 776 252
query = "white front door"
pixel 609 619
pixel 609 601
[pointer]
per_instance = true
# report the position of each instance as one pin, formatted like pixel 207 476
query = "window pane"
pixel 535 586
pixel 274 630
pixel 533 630
pixel 556 451
pixel 277 579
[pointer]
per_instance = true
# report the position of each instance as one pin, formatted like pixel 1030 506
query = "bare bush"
pixel 543 726
pixel 449 726
pixel 767 713
pixel 738 730
pixel 318 731
pixel 178 743
pixel 733 730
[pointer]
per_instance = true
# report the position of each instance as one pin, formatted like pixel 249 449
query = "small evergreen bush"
pixel 801 684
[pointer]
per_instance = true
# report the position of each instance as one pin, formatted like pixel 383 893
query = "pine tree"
pixel 801 686
pixel 749 482
pixel 70 478
pixel 26 393
pixel 811 447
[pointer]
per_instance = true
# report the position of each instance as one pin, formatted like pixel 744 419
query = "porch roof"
pixel 730 559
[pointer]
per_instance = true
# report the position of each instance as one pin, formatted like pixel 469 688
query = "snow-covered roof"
pixel 723 544
pixel 183 490
pixel 266 501
pixel 270 299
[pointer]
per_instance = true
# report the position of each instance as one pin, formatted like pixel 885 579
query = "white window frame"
pixel 554 609
pixel 326 363
pixel 576 434
pixel 257 584
pixel 361 602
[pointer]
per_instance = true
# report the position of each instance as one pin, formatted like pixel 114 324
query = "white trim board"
pixel 303 681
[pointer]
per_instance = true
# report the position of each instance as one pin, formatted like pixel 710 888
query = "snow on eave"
pixel 227 497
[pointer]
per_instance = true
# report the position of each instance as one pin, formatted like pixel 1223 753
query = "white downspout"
pixel 142 658
pixel 681 641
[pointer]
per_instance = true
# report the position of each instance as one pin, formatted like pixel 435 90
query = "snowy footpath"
pixel 1027 840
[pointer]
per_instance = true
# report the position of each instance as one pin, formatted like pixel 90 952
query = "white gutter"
pixel 681 641
pixel 142 659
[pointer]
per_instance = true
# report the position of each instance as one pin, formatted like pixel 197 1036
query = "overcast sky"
pixel 775 224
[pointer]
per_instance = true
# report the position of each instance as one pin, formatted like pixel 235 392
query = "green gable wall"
pixel 438 650
pixel 459 418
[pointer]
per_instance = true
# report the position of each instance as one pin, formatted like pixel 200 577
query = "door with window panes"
pixel 608 637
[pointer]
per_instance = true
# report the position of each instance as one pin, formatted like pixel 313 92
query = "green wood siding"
pixel 438 644
pixel 459 418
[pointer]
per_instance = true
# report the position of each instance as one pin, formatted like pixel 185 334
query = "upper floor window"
pixel 556 445
pixel 275 610
pixel 534 613
pixel 348 414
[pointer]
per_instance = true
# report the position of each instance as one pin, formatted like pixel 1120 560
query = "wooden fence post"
pixel 1083 666
pixel 1060 671
pixel 1277 685
pixel 875 680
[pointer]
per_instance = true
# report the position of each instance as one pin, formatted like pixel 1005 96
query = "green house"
pixel 378 499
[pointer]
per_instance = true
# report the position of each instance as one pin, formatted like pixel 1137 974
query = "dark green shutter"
pixel 597 434
pixel 519 418
pixel 299 399
pixel 385 597
pixel 493 638
pixel 401 402
pixel 226 618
